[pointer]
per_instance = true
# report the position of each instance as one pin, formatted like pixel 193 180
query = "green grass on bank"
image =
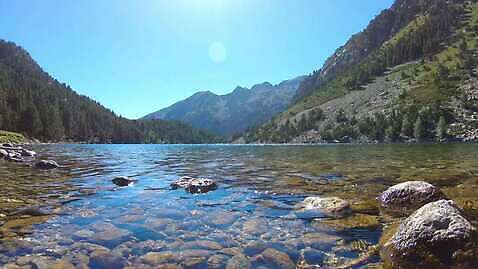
pixel 11 137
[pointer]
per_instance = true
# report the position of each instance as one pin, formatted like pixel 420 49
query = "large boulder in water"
pixel 314 207
pixel 436 236
pixel 408 196
pixel 44 164
pixel 194 185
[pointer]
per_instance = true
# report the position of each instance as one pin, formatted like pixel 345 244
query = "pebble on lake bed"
pixel 194 185
pixel 436 236
pixel 408 196
pixel 316 207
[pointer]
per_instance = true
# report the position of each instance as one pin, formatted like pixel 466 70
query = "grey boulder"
pixel 408 196
pixel 436 235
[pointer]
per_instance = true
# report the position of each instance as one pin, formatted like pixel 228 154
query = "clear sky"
pixel 137 56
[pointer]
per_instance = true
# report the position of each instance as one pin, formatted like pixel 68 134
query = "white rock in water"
pixel 437 230
pixel 313 207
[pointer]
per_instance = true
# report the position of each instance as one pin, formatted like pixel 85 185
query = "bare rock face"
pixel 437 236
pixel 313 207
pixel 194 185
pixel 408 196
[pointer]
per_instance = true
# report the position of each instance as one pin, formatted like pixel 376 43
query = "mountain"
pixel 234 112
pixel 410 75
pixel 37 105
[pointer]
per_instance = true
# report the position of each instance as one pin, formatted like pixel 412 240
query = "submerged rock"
pixel 108 234
pixel 313 256
pixel 30 211
pixel 105 259
pixel 217 261
pixel 123 181
pixel 46 164
pixel 275 259
pixel 314 207
pixel 255 226
pixel 409 196
pixel 194 185
pixel 157 258
pixel 437 236
pixel 356 221
pixel 238 261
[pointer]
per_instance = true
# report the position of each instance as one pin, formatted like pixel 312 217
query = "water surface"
pixel 81 218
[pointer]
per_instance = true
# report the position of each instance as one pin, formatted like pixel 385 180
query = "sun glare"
pixel 208 3
pixel 217 52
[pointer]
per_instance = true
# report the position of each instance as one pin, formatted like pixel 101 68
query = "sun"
pixel 208 3
pixel 217 52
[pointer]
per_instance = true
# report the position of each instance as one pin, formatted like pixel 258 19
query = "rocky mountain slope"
pixel 410 75
pixel 234 112
pixel 37 105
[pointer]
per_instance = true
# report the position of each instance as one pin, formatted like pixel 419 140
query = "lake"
pixel 76 216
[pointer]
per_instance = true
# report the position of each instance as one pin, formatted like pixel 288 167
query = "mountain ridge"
pixel 415 61
pixel 234 112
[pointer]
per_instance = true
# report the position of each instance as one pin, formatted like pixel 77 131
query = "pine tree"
pixel 53 129
pixel 419 130
pixel 442 128
pixel 407 127
pixel 30 121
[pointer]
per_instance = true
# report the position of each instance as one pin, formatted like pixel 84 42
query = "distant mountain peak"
pixel 233 112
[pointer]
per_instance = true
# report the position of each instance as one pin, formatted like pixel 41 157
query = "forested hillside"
pixel 409 75
pixel 37 105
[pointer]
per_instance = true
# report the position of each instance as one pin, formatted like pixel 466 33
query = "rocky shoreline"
pixel 435 232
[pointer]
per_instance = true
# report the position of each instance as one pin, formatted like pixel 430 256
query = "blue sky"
pixel 137 56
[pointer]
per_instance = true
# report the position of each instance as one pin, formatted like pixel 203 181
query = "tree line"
pixel 37 105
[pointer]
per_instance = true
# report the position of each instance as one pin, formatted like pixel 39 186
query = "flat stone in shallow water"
pixel 436 235
pixel 316 207
pixel 409 195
